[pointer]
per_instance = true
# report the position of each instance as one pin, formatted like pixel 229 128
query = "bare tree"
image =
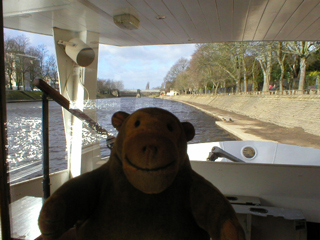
pixel 263 52
pixel 14 59
pixel 226 57
pixel 281 57
pixel 107 85
pixel 181 65
pixel 303 49
pixel 20 59
pixel 181 83
pixel 117 85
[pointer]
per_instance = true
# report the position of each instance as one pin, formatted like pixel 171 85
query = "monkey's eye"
pixel 170 127
pixel 137 123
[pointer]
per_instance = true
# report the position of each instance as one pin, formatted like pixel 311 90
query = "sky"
pixel 134 66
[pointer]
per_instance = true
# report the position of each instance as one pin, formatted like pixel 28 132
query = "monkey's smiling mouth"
pixel 149 169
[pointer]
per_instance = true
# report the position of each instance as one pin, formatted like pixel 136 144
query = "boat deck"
pixel 24 215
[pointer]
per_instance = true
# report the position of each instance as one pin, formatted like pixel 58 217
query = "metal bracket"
pixel 218 152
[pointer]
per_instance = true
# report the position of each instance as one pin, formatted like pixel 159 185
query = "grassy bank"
pixel 99 96
pixel 23 95
pixel 15 95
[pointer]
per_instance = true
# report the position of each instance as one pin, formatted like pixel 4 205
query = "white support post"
pixel 77 84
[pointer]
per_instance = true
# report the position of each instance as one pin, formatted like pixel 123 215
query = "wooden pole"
pixel 4 181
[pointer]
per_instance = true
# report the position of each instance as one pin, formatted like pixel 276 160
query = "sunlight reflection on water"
pixel 24 127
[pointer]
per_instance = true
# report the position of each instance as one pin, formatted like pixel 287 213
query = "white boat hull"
pixel 280 185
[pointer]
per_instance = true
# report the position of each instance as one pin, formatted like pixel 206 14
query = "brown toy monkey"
pixel 146 191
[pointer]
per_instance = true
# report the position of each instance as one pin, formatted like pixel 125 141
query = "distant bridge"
pixel 136 92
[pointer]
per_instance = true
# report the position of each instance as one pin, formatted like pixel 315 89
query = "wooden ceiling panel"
pixel 304 11
pixel 145 35
pixel 255 14
pixel 199 21
pixel 240 18
pixel 225 15
pixel 316 29
pixel 18 7
pixel 148 19
pixel 185 21
pixel 270 14
pixel 181 15
pixel 311 33
pixel 32 24
pixel 307 25
pixel 283 18
pixel 212 19
pixel 161 9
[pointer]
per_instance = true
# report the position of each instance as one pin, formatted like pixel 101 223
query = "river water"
pixel 24 128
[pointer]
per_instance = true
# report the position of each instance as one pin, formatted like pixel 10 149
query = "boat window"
pixel 222 89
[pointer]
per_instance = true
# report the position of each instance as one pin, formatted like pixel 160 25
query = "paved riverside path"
pixel 246 128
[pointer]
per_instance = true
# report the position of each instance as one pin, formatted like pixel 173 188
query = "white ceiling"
pixel 186 21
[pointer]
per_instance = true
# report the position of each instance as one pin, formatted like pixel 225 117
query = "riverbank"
pixel 30 96
pixel 252 117
pixel 23 96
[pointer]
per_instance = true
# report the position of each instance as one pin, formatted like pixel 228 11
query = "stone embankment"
pixel 290 111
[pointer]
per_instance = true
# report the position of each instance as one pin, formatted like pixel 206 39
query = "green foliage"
pixel 25 95
pixel 238 65
pixel 24 63
pixel 105 86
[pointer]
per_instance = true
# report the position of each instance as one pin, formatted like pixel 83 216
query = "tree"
pixel 148 86
pixel 22 43
pixel 117 85
pixel 20 59
pixel 263 52
pixel 281 57
pixel 101 86
pixel 51 71
pixel 107 85
pixel 207 73
pixel 303 49
pixel 181 83
pixel 14 61
pixel 226 57
pixel 180 66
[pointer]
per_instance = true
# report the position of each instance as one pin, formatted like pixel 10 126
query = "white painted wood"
pixel 269 16
pixel 265 152
pixel 226 14
pixel 276 185
pixel 77 84
pixel 161 9
pixel 212 19
pixel 33 187
pixel 282 18
pixel 240 18
pixel 304 11
pixel 255 14
pixel 196 14
pixel 186 21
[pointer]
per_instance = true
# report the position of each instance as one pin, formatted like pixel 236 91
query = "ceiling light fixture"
pixel 126 21
pixel 161 17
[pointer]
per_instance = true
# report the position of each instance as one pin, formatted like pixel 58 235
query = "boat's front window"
pixel 229 91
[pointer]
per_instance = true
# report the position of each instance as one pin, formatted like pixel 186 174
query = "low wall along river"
pixel 301 111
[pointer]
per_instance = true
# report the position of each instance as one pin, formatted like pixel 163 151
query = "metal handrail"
pixel 65 103
pixel 51 92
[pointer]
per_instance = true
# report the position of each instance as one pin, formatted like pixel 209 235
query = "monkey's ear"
pixel 118 119
pixel 188 130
